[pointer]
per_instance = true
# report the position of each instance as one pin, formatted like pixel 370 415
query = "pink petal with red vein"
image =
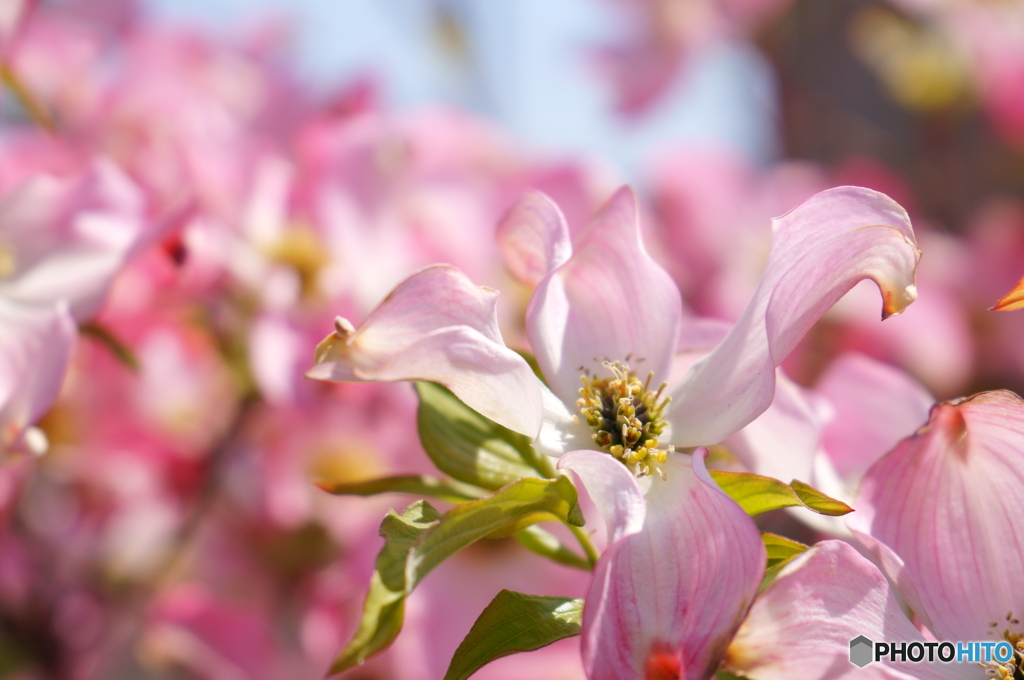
pixel 672 595
pixel 947 502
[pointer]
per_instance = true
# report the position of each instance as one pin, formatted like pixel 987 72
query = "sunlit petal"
pixel 671 596
pixel 534 238
pixel 801 627
pixel 561 431
pixel 438 326
pixel 613 489
pixel 609 301
pixel 946 501
pixel 820 250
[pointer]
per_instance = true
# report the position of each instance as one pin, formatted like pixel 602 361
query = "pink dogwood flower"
pixel 801 626
pixel 66 238
pixel 939 516
pixel 605 313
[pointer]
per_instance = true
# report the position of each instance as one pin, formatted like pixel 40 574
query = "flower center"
pixel 627 417
pixel 1014 668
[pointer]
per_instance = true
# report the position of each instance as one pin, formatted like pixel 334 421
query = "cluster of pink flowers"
pixel 181 223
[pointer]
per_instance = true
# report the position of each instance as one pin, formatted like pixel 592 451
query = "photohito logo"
pixel 863 651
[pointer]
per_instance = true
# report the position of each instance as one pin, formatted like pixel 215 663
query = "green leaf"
pixel 419 485
pixel 755 493
pixel 514 622
pixel 819 502
pixel 468 446
pixel 726 675
pixel 508 511
pixel 780 552
pixel 547 545
pixel 384 607
pixel 420 539
pixel 780 549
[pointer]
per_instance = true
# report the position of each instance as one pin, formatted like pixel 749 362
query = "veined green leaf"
pixel 419 485
pixel 819 502
pixel 384 607
pixel 420 538
pixel 547 545
pixel 514 622
pixel 780 552
pixel 757 494
pixel 779 548
pixel 509 510
pixel 470 447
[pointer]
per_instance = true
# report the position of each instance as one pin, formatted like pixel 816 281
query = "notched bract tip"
pixel 343 327
pixel 333 345
pixel 893 304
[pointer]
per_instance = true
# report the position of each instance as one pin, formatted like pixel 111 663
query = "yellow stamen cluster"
pixel 627 417
pixel 1014 668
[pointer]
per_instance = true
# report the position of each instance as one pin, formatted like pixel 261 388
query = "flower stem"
pixel 538 461
pixel 588 546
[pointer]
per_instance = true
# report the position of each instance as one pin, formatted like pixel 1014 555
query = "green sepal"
pixel 419 485
pixel 757 494
pixel 546 544
pixel 780 551
pixel 506 512
pixel 515 622
pixel 384 607
pixel 470 447
pixel 819 502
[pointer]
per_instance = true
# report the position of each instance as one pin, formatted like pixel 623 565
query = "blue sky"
pixel 529 70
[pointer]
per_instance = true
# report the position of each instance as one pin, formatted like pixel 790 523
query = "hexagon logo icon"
pixel 861 651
